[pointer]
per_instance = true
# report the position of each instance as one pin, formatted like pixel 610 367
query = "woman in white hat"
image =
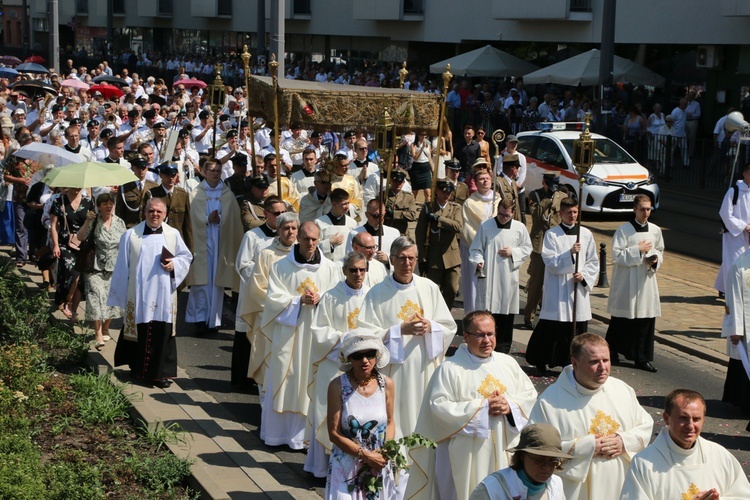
pixel 360 414
pixel 531 475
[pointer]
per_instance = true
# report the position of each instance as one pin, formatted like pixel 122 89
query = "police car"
pixel 611 185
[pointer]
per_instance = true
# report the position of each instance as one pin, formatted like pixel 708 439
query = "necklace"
pixel 360 383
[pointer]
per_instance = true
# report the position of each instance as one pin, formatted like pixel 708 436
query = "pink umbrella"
pixel 191 82
pixel 75 83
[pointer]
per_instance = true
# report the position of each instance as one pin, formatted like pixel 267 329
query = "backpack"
pixel 735 196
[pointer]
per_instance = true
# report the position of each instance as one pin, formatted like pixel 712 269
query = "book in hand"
pixel 166 255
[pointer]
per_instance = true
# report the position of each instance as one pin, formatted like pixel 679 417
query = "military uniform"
pixel 545 214
pixel 131 200
pixel 461 193
pixel 178 210
pixel 439 256
pixel 509 190
pixel 236 184
pixel 400 209
pixel 252 213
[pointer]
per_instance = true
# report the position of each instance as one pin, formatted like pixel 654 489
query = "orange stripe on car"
pixel 626 177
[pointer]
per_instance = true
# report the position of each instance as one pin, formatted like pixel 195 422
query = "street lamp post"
pixel 583 159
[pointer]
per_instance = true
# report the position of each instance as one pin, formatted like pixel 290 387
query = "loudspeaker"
pixel 735 121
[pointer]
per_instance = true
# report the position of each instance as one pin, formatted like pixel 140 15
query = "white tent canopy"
pixel 583 69
pixel 487 61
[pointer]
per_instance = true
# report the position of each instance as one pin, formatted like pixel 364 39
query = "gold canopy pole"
pixel 447 76
pixel 251 119
pixel 274 65
pixel 382 130
pixel 402 74
pixel 583 159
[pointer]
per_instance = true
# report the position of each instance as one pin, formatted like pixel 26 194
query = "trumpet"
pixel 298 146
pixel 110 118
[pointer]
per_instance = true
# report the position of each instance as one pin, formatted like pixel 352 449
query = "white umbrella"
pixel 487 61
pixel 45 154
pixel 583 69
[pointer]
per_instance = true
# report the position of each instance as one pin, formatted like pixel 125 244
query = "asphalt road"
pixel 690 225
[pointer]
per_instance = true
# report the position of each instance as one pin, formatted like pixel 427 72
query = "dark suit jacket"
pixel 130 202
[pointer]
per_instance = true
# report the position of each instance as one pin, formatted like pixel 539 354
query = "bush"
pixel 20 476
pixel 71 477
pixel 98 400
pixel 159 473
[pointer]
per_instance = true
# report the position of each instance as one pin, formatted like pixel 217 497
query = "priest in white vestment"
pixel 735 328
pixel 255 296
pixel 409 313
pixel 476 403
pixel 335 315
pixel 735 215
pixel 479 207
pixel 637 252
pixel 373 226
pixel 682 464
pixel 364 243
pixel 146 281
pixel 217 233
pixel 253 242
pixel 499 248
pixel 599 418
pixel 295 285
pixel 316 202
pixel 550 342
pixel 335 226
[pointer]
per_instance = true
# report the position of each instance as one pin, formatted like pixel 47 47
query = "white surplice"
pixel 286 322
pixel 475 210
pixel 335 315
pixel 559 287
pixel 253 242
pixel 502 272
pixel 634 292
pixel 506 485
pixel 455 414
pixel 389 236
pixel 141 286
pixel 580 413
pixel 327 230
pixel 413 358
pixel 735 240
pixel 664 471
pixel 737 306
pixel 376 272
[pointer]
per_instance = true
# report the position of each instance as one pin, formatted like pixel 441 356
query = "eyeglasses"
pixel 373 215
pixel 155 211
pixel 545 461
pixel 359 356
pixel 357 270
pixel 501 215
pixel 479 336
pixel 362 149
pixel 404 258
pixel 278 213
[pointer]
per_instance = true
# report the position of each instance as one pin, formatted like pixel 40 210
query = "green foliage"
pixel 72 477
pixel 368 483
pixel 162 434
pixel 159 473
pixel 20 476
pixel 98 400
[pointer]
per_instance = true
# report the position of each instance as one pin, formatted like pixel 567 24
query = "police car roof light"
pixel 556 126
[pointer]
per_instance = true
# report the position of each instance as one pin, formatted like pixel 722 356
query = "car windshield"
pixel 607 151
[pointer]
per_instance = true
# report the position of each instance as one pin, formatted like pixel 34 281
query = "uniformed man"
pixel 506 183
pixel 159 142
pixel 438 229
pixel 452 171
pixel 131 199
pixel 176 199
pixel 236 181
pixel 251 203
pixel 400 207
pixel 544 206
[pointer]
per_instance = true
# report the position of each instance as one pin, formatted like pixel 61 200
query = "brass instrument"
pixel 111 118
pixel 298 146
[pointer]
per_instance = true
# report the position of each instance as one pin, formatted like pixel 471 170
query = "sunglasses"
pixel 359 356
pixel 278 213
pixel 357 270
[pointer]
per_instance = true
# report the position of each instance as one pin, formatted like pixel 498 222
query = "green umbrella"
pixel 89 174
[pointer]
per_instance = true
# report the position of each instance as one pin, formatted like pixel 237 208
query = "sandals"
pixel 106 338
pixel 63 308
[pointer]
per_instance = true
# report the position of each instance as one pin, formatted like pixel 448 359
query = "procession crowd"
pixel 343 280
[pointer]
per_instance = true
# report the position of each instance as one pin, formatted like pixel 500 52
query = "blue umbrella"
pixel 32 68
pixel 8 73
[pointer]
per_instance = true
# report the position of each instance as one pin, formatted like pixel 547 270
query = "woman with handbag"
pixel 101 236
pixel 67 215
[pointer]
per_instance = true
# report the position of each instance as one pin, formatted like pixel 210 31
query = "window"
pixel 118 7
pixel 549 152
pixel 224 8
pixel 165 7
pixel 413 7
pixel 302 7
pixel 82 6
pixel 580 5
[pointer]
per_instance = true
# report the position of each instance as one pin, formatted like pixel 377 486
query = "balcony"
pixel 543 10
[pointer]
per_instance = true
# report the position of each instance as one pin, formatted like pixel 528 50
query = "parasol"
pixel 35 59
pixel 8 73
pixel 108 91
pixel 75 83
pixel 31 67
pixel 112 80
pixel 191 82
pixel 10 60
pixel 44 154
pixel 89 174
pixel 34 88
